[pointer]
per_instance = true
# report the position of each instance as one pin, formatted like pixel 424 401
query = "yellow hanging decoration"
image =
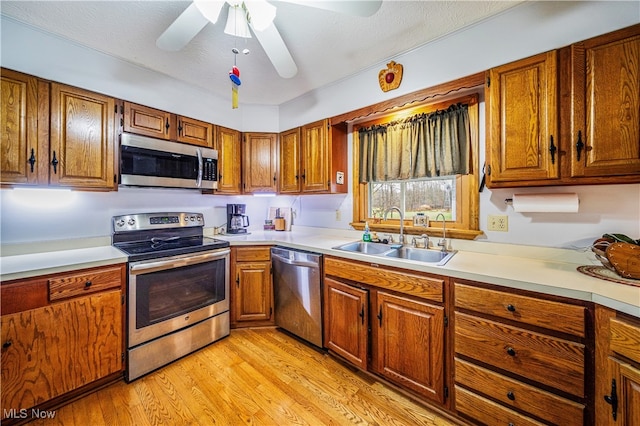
pixel 234 96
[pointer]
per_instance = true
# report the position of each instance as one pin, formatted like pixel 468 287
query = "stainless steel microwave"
pixel 147 161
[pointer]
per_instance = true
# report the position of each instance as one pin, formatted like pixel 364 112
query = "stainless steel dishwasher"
pixel 297 278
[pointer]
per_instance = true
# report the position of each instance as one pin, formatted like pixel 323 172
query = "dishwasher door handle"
pixel 295 262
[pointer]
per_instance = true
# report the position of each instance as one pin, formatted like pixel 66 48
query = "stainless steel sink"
pixel 437 257
pixel 422 255
pixel 367 248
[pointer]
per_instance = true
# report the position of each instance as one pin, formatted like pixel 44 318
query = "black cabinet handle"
pixel 511 351
pixel 511 308
pixel 361 314
pixel 238 281
pixel 552 150
pixel 613 400
pixel 380 316
pixel 297 177
pixel 579 145
pixel 511 396
pixel 7 344
pixel 32 159
pixel 166 126
pixel 54 163
pixel 88 284
pixel 304 174
pixel 180 128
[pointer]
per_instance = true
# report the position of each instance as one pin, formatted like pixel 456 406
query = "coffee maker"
pixel 237 221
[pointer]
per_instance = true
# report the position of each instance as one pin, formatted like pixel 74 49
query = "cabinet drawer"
pixel 625 339
pixel 83 283
pixel 488 412
pixel 404 282
pixel 515 394
pixel 554 362
pixel 556 316
pixel 250 254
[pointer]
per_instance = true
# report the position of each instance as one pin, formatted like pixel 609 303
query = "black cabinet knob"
pixel 511 351
pixel 511 308
pixel 511 396
pixel 6 344
pixel 88 284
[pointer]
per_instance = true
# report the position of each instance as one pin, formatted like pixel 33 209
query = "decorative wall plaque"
pixel 391 77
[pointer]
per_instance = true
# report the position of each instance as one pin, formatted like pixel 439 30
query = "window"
pixel 454 196
pixel 430 196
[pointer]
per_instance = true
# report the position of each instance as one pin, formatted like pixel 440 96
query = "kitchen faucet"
pixel 443 242
pixel 401 221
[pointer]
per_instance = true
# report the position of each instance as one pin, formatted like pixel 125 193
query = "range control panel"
pixel 146 221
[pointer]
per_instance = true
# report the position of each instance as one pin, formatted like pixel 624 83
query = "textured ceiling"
pixel 326 46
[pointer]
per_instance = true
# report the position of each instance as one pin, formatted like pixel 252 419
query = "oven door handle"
pixel 200 166
pixel 148 267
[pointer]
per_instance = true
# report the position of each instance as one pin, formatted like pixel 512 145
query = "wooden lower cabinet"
pixel 57 338
pixel 346 312
pixel 618 361
pixel 374 320
pixel 521 358
pixel 409 344
pixel 251 287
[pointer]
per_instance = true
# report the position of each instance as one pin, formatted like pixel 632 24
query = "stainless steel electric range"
pixel 177 289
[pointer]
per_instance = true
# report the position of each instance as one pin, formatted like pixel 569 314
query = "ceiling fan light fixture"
pixel 237 22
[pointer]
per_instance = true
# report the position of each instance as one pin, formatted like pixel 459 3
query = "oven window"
pixel 173 292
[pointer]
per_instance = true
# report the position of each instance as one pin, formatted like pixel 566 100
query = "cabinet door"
pixel 259 162
pixel 55 349
pixel 605 128
pixel 624 395
pixel 290 162
pixel 19 121
pixel 316 157
pixel 522 123
pixel 227 142
pixel 82 141
pixel 147 121
pixel 346 321
pixel 410 344
pixel 195 132
pixel 252 300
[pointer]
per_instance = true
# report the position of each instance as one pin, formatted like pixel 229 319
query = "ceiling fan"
pixel 257 15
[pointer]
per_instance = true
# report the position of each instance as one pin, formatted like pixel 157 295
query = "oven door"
pixel 169 294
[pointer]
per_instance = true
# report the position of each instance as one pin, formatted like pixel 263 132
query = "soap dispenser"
pixel 366 237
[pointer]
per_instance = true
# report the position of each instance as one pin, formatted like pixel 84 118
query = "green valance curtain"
pixel 424 145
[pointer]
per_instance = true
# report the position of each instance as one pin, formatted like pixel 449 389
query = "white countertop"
pixel 545 270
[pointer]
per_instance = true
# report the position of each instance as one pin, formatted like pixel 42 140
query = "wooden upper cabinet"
pixel 604 136
pixel 82 140
pixel 227 142
pixel 290 161
pixel 142 120
pixel 194 132
pixel 316 157
pixel 522 127
pixel 19 120
pixel 146 121
pixel 259 161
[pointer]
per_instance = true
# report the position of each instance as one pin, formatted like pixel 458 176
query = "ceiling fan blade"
pixel 355 8
pixel 182 30
pixel 276 51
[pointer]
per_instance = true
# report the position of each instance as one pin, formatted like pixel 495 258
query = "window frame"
pixel 466 225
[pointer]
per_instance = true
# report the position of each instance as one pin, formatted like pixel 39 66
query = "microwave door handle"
pixel 200 166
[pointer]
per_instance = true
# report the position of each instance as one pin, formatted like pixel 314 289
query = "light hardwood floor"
pixel 254 376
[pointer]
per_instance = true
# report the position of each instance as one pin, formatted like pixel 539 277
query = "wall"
pixel 522 31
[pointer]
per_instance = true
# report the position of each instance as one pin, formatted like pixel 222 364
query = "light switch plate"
pixel 340 178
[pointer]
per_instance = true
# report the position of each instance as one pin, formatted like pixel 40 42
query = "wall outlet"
pixel 338 215
pixel 497 223
pixel 340 178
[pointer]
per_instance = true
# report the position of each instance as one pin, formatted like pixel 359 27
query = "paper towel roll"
pixel 547 203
